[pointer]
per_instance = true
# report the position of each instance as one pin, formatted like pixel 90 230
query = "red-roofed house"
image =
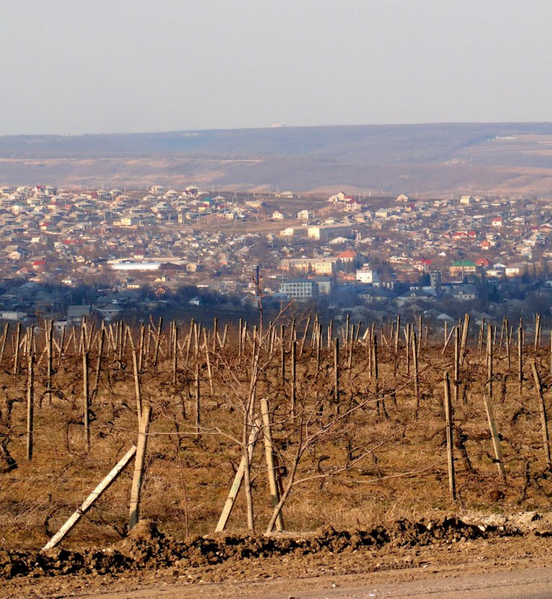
pixel 347 256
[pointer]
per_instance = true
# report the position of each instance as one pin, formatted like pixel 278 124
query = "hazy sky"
pixel 81 66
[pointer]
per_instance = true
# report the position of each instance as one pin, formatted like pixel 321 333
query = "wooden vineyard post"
pixel 101 341
pixel 4 339
pixel 380 401
pixel 50 351
pixel 137 390
pixel 224 337
pixel 347 331
pixel 269 455
pixel 198 401
pixel 330 333
pixel 456 364
pixel 30 403
pixel 293 397
pixel 508 346
pixel 420 333
pixel 398 335
pixel 305 333
pixel 537 331
pixel 494 436
pixel 142 347
pixel 136 492
pixel 415 348
pixel 350 351
pixel 215 334
pixel 336 371
pixel 61 345
pixel 544 419
pixel 175 354
pixel 234 490
pixel 318 348
pixel 282 357
pixel 490 361
pixel 463 344
pixel 120 343
pixel 520 354
pixel 96 494
pixel 407 336
pixel 449 435
pixel 481 335
pixel 86 399
pixel 17 343
pixel 448 338
pixel 157 342
pixel 240 327
pixel 208 361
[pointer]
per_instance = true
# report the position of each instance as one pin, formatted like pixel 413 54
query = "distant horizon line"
pixel 274 127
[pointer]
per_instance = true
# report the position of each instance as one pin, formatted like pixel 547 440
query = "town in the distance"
pixel 110 254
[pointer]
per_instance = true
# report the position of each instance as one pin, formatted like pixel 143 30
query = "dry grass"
pixel 403 473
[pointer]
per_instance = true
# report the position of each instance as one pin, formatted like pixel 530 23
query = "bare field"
pixel 354 432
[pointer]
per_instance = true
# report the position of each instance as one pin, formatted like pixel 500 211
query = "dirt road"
pixel 534 583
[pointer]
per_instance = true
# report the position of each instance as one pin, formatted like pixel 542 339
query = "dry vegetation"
pixel 355 446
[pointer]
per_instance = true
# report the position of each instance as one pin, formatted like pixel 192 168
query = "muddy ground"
pixel 249 563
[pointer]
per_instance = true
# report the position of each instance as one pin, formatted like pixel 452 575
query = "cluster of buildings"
pixel 385 255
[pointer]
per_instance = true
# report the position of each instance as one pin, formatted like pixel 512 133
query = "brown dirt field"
pixel 371 462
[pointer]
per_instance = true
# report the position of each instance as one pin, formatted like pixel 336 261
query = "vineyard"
pixel 291 425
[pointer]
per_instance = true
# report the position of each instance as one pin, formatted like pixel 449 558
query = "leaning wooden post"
pixel 465 329
pixel 494 436
pixel 134 514
pixel 537 330
pixel 30 403
pixel 305 333
pixel 96 494
pixel 544 419
pixel 269 455
pixel 86 399
pixel 234 490
pixel 449 433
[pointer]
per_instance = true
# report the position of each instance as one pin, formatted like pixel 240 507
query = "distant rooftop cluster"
pixel 345 252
